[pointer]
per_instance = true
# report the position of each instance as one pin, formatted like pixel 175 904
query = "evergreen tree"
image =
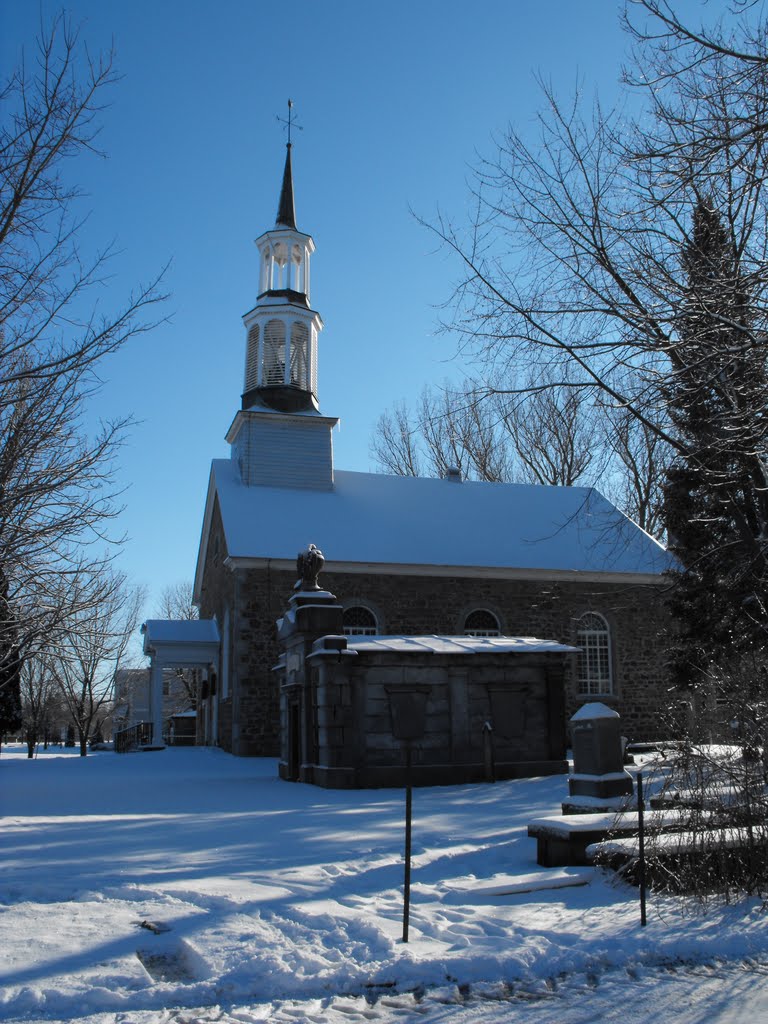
pixel 716 502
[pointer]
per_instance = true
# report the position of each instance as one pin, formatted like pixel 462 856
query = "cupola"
pixel 282 329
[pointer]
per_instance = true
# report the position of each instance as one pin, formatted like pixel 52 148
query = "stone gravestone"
pixel 599 780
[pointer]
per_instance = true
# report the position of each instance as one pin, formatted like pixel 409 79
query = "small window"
pixel 594 667
pixel 481 622
pixel 359 621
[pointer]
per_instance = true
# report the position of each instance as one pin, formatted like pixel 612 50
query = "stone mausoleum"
pixel 472 708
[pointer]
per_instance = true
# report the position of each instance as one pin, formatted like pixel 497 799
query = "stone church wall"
pixel 438 605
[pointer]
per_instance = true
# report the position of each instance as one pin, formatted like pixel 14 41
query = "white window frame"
pixel 594 671
pixel 360 630
pixel 477 631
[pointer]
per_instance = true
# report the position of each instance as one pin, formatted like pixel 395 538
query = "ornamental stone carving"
pixel 308 567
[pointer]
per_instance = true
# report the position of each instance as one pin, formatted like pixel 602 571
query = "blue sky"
pixel 396 101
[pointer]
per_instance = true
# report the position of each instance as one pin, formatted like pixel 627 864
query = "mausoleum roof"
pixel 370 520
pixel 457 645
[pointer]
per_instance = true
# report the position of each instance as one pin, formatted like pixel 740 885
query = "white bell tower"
pixel 279 438
pixel 282 329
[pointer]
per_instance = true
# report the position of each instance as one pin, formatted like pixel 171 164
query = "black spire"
pixel 286 212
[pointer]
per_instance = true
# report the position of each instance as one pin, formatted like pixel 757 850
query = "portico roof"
pixel 181 641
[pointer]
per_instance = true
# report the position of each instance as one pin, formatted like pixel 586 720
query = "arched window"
pixel 594 667
pixel 359 621
pixel 274 353
pixel 252 359
pixel 481 622
pixel 300 355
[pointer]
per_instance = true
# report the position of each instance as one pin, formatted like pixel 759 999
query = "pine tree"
pixel 716 503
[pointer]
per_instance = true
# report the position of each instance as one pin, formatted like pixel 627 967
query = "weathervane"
pixel 289 122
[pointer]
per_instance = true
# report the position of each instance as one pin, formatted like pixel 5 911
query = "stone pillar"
pixel 156 703
pixel 312 613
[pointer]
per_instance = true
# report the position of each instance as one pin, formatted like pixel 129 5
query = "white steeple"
pixel 279 438
pixel 282 329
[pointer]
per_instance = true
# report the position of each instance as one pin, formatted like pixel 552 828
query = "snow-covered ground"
pixel 188 885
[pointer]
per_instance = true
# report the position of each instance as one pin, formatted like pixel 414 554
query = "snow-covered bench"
pixel 563 839
pixel 711 851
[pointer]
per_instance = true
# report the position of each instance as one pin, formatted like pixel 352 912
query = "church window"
pixel 274 353
pixel 481 622
pixel 359 621
pixel 252 359
pixel 595 673
pixel 300 355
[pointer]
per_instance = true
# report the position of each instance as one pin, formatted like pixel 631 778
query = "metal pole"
pixel 407 878
pixel 641 845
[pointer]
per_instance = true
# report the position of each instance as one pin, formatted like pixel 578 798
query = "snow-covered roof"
pixel 457 645
pixel 371 519
pixel 180 631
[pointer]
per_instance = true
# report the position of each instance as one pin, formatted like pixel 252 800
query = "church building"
pixel 405 556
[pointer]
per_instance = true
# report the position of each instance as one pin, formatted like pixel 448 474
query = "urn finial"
pixel 308 566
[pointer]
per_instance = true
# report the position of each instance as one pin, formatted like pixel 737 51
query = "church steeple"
pixel 282 329
pixel 279 437
pixel 286 211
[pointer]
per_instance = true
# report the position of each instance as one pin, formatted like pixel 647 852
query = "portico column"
pixel 156 702
pixel 214 739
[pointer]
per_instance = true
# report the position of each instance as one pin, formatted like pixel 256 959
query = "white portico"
pixel 177 644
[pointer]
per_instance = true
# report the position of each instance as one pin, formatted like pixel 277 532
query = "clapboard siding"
pixel 277 452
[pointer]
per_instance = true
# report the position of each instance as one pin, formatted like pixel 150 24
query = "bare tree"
pixel 692 75
pixel 535 434
pixel 637 460
pixel 41 702
pixel 50 108
pixel 177 602
pixel 91 645
pixel 395 442
pixel 579 256
pixel 57 494
pixel 555 434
